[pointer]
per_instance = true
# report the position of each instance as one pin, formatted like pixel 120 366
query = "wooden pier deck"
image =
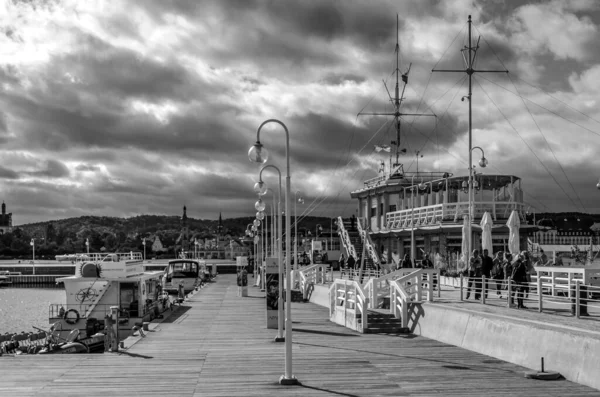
pixel 216 344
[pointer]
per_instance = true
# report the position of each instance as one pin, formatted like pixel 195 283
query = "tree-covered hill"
pixel 111 234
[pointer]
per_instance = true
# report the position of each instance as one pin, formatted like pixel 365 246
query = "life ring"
pixel 70 320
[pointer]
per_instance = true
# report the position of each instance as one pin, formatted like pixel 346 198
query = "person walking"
pixel 519 276
pixel 474 275
pixel 350 264
pixel 342 262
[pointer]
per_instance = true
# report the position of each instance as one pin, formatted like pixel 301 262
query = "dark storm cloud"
pixel 6 173
pixel 104 68
pixel 53 169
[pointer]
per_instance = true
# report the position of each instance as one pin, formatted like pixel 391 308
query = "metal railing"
pixel 311 275
pixel 345 237
pixel 378 288
pixel 348 305
pixel 435 214
pixel 576 299
pixel 366 238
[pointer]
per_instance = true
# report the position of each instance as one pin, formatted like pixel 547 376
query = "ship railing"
pixel 345 237
pixel 453 212
pixel 348 304
pixel 78 311
pixel 575 299
pixel 368 244
pixel 109 257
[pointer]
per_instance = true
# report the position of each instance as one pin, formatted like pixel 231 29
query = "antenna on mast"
pixel 397 101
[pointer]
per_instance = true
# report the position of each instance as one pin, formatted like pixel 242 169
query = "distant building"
pixel 5 221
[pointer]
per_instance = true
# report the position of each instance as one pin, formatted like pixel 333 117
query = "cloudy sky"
pixel 122 108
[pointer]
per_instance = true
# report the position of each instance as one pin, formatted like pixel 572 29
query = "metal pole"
pixel 287 378
pixel 296 267
pixel 413 248
pixel 470 192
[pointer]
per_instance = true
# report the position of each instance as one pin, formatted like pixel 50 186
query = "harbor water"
pixel 20 308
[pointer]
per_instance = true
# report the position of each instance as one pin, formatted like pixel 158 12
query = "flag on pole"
pixel 385 148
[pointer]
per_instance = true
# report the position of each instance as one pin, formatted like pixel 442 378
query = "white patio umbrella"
pixel 486 232
pixel 513 238
pixel 465 243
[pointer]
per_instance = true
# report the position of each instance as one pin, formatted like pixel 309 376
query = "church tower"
pixel 5 220
pixel 185 240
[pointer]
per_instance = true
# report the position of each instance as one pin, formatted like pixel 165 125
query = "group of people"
pixel 500 269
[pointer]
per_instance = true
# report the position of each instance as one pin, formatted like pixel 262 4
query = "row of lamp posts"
pixel 259 154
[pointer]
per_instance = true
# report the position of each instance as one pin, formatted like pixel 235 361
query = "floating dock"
pixel 216 344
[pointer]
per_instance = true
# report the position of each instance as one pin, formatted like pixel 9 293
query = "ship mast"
pixel 469 59
pixel 397 101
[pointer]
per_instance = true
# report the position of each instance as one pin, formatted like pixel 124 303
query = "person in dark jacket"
pixel 487 263
pixel 350 263
pixel 519 277
pixel 474 275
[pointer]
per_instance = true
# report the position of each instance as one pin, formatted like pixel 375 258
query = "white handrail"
pixel 399 299
pixel 366 238
pixel 347 300
pixel 376 287
pixel 345 237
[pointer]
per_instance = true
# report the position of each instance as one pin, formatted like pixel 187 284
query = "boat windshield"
pixel 183 269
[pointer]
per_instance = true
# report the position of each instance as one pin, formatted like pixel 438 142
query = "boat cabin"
pixel 105 281
pixel 433 205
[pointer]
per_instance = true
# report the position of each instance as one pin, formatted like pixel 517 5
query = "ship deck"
pixel 216 344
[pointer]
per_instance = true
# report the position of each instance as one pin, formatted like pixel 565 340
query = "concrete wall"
pixel 574 354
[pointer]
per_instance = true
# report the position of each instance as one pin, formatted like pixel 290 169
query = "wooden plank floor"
pixel 217 345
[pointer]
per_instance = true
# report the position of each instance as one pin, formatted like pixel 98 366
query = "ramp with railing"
pixel 350 302
pixel 368 243
pixel 345 238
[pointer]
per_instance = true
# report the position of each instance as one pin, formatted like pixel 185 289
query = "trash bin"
pixel 582 300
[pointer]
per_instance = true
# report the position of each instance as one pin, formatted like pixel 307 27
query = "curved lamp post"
pixel 261 188
pixel 598 185
pixel 482 163
pixel 259 154
pixel 296 201
pixel 413 248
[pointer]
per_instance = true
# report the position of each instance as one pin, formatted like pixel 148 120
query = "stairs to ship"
pixel 381 321
pixel 357 242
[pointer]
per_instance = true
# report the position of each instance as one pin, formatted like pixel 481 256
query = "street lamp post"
pixel 144 243
pixel 482 163
pixel 413 248
pixel 261 189
pixel 296 201
pixel 32 243
pixel 195 248
pixel 87 244
pixel 259 154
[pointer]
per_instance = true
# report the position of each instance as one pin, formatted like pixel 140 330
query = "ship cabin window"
pixel 373 212
pixel 381 208
pixel 128 298
pixel 452 195
pixel 392 208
